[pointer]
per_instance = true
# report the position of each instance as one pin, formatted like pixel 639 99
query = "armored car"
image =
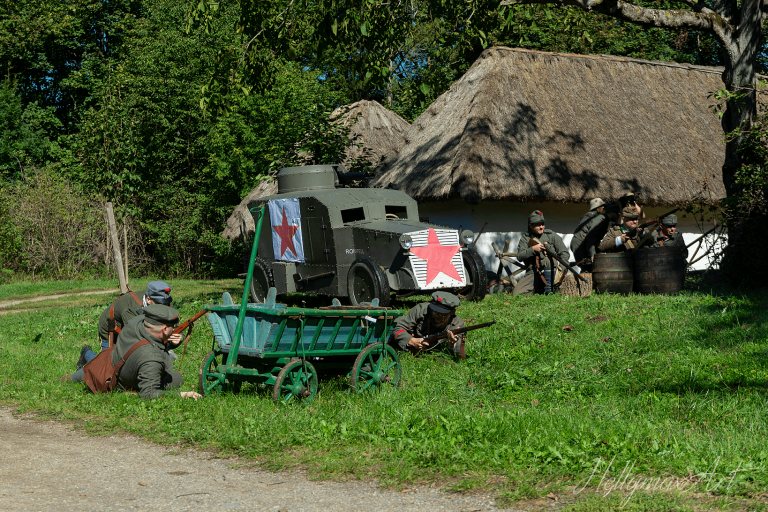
pixel 361 243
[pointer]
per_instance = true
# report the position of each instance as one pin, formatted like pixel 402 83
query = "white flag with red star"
pixel 436 259
pixel 285 217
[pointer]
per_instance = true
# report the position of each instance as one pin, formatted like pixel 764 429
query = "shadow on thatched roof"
pixel 377 128
pixel 533 125
pixel 241 219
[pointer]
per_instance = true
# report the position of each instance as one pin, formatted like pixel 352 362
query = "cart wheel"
pixel 475 267
pixel 296 381
pixel 377 365
pixel 262 280
pixel 210 381
pixel 367 281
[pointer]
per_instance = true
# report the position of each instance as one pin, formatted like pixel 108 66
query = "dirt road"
pixel 48 466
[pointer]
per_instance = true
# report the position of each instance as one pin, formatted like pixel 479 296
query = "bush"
pixel 49 227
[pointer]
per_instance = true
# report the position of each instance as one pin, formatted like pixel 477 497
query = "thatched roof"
pixel 241 219
pixel 534 125
pixel 377 128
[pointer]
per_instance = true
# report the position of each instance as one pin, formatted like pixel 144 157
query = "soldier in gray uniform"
pixel 149 371
pixel 590 232
pixel 666 235
pixel 618 239
pixel 426 319
pixel 546 267
pixel 596 206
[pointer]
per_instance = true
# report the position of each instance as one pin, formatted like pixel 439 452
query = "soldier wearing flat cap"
pixel 127 306
pixel 539 266
pixel 619 237
pixel 149 370
pixel 667 236
pixel 429 318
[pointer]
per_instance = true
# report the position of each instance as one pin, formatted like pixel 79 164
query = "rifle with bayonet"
pixel 435 340
pixel 552 254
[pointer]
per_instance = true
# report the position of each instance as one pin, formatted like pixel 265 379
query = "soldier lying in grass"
pixel 429 318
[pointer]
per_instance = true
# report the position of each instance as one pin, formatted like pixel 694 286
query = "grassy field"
pixel 565 401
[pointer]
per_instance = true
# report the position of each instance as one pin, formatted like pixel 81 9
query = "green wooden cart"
pixel 288 348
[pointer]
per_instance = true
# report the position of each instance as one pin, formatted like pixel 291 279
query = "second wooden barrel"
pixel 659 270
pixel 612 272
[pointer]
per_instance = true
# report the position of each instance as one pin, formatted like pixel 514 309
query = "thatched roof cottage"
pixel 523 130
pixel 377 128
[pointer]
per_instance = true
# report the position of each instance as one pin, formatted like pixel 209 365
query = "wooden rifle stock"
pixel 437 338
pixel 648 222
pixel 552 254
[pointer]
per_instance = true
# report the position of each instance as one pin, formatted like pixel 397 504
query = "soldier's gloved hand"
pixel 417 343
pixel 174 340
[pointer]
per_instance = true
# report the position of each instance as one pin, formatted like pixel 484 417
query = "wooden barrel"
pixel 612 272
pixel 658 270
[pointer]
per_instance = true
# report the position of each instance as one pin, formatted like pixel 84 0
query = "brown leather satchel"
pixel 101 374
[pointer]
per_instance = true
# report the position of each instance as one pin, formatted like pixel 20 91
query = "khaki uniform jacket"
pixel 417 324
pixel 145 369
pixel 125 309
pixel 675 240
pixel 608 244
pixel 551 239
pixel 588 235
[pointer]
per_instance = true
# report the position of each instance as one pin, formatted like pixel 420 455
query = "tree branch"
pixel 705 20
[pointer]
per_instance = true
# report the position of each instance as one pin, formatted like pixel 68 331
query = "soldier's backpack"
pixel 101 374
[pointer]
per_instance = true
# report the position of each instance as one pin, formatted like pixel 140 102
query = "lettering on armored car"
pixel 436 259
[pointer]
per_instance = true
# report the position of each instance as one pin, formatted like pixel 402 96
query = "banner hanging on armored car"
pixel 285 217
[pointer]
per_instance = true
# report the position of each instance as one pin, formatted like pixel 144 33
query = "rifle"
pixel 189 323
pixel 648 222
pixel 552 254
pixel 438 338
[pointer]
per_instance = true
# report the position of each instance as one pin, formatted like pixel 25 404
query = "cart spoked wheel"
pixel 297 381
pixel 376 366
pixel 210 381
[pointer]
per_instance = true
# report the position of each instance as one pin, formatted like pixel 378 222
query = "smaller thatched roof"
pixel 529 125
pixel 376 127
pixel 241 220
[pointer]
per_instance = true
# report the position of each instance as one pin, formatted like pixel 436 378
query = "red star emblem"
pixel 438 257
pixel 286 232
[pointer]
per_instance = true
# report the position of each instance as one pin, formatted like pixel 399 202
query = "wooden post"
pixel 116 249
pixel 125 245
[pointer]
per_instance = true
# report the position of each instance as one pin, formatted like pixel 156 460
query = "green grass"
pixel 24 290
pixel 671 385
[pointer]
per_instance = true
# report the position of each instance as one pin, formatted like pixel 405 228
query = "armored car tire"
pixel 262 280
pixel 366 281
pixel 475 268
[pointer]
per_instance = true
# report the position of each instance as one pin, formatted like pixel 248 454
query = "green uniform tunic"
pixel 608 244
pixel 149 370
pixel 417 324
pixel 588 235
pixel 549 238
pixel 675 240
pixel 587 216
pixel 126 308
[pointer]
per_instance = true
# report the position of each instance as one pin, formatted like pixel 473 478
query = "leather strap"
pixel 122 361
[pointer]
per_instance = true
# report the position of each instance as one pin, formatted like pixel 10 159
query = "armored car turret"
pixel 361 243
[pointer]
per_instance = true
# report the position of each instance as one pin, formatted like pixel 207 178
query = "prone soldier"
pixel 539 267
pixel 429 318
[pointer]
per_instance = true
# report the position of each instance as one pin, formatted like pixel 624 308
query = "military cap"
pixel 630 212
pixel 669 220
pixel 444 302
pixel 160 314
pixel 629 197
pixel 159 291
pixel 596 203
pixel 536 217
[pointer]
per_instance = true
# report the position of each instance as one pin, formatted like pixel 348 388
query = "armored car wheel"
pixel 262 280
pixel 210 381
pixel 376 366
pixel 475 268
pixel 367 281
pixel 297 381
